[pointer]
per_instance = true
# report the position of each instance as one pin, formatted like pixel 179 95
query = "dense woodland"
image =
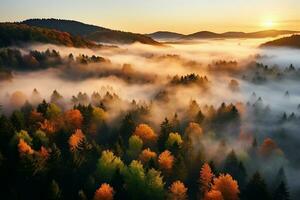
pixel 20 34
pixel 49 151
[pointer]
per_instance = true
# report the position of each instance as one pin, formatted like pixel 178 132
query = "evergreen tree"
pixel 165 129
pixel 256 189
pixel 281 193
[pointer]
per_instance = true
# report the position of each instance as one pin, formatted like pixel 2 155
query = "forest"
pixel 48 151
pixel 179 121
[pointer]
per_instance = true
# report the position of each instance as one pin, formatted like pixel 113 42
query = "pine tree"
pixel 165 129
pixel 256 189
pixel 54 192
pixel 281 193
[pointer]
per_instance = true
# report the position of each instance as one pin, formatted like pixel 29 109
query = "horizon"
pixel 139 16
pixel 162 30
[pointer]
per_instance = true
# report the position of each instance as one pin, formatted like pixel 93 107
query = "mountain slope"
pixel 18 34
pixel 212 35
pixel 91 32
pixel 165 35
pixel 292 42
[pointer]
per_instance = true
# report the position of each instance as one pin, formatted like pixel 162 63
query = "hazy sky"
pixel 185 16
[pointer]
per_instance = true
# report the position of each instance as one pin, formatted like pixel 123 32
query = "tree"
pixel 56 97
pixel 227 186
pixel 166 160
pixel 18 120
pixel 24 148
pixel 268 148
pixel 98 115
pixel 147 155
pixel 193 134
pixel 235 168
pixel 135 147
pixel 73 119
pixel 104 192
pixel 54 192
pixel 282 193
pixel 134 178
pixel 174 141
pixel 53 111
pixel 177 191
pixel 107 165
pixel 146 133
pixel 154 185
pixel 213 195
pixel 206 177
pixel 75 139
pixel 40 139
pixel 256 189
pixel 165 129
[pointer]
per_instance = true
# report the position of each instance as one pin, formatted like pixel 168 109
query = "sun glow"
pixel 268 23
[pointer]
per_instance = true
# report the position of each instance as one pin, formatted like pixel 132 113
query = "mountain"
pixel 202 34
pixel 92 32
pixel 18 34
pixel 212 35
pixel 292 42
pixel 165 35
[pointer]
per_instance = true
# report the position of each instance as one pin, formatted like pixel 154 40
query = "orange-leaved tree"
pixel 205 179
pixel 177 191
pixel 227 186
pixel 104 192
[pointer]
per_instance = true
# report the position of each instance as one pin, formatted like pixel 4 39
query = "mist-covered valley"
pixel 230 100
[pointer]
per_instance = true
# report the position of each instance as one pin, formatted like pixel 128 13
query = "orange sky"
pixel 145 16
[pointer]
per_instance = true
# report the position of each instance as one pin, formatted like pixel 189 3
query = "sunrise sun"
pixel 268 23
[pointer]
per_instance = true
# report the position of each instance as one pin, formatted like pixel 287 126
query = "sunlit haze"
pixel 147 16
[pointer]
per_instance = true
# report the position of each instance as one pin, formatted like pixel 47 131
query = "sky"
pixel 146 16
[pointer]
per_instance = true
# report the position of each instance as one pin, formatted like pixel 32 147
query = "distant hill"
pixel 292 42
pixel 91 32
pixel 165 35
pixel 212 35
pixel 18 34
pixel 259 34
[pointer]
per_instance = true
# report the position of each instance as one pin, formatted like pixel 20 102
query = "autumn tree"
pixel 166 160
pixel 75 139
pixel 206 177
pixel 174 142
pixel 213 195
pixel 269 148
pixel 146 133
pixel 134 177
pixel 107 165
pixel 73 119
pixel 135 146
pixel 53 111
pixel 24 148
pixel 154 185
pixel 227 186
pixel 146 155
pixel 177 191
pixel 104 192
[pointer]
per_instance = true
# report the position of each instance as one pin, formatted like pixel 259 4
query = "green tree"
pixel 135 147
pixel 107 166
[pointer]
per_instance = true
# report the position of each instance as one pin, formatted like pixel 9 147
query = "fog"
pixel 150 70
